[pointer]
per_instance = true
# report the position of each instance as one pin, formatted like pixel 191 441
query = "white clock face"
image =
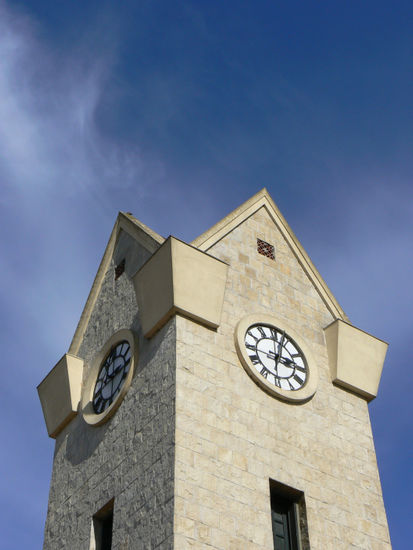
pixel 276 357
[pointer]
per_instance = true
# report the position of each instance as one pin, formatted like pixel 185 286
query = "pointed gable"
pixel 266 222
pixel 129 237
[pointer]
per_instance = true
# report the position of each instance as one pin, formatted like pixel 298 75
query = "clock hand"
pixel 288 362
pixel 280 344
pixel 275 353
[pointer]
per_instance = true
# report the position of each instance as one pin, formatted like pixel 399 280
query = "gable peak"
pixel 262 199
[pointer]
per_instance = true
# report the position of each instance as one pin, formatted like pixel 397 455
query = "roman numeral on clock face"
pixel 262 332
pixel 250 333
pixel 300 368
pixel 277 381
pixel 264 372
pixel 298 379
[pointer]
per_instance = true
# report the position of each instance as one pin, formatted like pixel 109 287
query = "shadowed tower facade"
pixel 214 396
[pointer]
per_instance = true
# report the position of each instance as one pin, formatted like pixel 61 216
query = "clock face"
pixel 112 375
pixel 276 357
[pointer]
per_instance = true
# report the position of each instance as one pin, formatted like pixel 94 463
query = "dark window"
pixel 119 269
pixel 102 527
pixel 288 516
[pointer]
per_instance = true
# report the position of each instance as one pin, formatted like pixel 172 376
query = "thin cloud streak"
pixel 58 169
pixel 49 136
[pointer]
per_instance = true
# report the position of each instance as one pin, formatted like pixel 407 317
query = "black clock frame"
pixel 108 378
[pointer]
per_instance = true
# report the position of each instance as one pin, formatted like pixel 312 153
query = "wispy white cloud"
pixel 49 136
pixel 59 171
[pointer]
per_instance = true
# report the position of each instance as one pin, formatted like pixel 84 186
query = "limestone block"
pixel 355 357
pixel 60 392
pixel 179 278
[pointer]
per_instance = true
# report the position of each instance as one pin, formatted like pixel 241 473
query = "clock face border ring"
pixel 89 415
pixel 310 387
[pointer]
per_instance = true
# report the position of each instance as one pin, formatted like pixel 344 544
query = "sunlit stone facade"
pixel 189 454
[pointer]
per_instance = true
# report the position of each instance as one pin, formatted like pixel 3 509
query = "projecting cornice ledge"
pixel 179 278
pixel 60 392
pixel 355 357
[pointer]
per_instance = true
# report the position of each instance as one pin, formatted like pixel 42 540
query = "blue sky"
pixel 179 111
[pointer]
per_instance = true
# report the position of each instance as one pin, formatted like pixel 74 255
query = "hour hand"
pixel 272 355
pixel 286 361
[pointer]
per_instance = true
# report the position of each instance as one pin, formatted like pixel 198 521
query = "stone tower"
pixel 214 396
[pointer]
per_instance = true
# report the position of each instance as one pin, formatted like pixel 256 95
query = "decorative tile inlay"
pixel 265 249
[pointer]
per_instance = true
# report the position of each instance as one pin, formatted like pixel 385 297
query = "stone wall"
pixel 231 437
pixel 189 453
pixel 131 457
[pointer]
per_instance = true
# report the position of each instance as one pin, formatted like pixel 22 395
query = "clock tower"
pixel 214 397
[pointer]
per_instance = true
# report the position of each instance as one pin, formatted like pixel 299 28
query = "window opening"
pixel 102 527
pixel 288 517
pixel 119 269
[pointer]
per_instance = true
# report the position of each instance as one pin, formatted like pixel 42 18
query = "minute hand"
pixel 280 345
